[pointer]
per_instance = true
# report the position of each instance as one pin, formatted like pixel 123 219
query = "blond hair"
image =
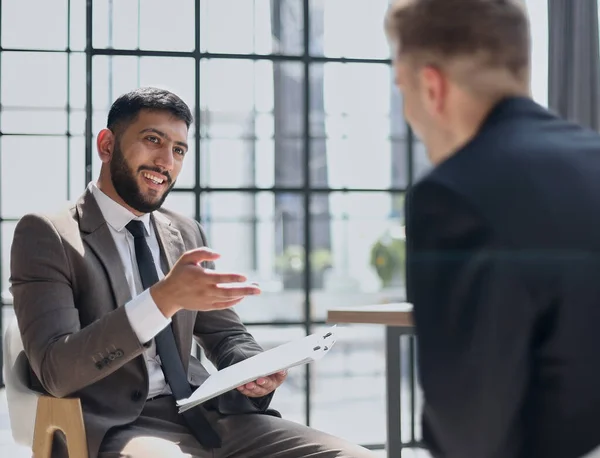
pixel 473 37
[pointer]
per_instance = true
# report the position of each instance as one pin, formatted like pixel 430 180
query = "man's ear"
pixel 105 143
pixel 436 88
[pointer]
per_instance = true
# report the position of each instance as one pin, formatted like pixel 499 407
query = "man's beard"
pixel 125 183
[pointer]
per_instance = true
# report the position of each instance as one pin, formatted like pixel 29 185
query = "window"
pixel 299 155
pixel 538 14
pixel 42 116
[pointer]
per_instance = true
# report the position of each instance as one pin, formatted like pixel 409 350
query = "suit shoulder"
pixel 439 194
pixel 60 222
pixel 40 236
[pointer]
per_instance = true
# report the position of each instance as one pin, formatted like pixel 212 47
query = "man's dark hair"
pixel 434 32
pixel 127 107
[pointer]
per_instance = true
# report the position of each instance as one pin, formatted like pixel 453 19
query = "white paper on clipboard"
pixel 298 352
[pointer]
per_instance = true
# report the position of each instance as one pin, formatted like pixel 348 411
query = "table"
pixel 398 320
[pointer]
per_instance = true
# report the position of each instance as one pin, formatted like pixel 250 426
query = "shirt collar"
pixel 114 213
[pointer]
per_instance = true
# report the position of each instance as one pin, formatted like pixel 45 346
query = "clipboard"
pixel 295 353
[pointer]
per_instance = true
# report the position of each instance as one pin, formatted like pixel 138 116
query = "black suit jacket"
pixel 504 273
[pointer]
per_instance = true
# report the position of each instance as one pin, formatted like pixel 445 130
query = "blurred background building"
pixel 299 155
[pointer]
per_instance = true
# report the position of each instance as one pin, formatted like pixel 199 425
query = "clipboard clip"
pixel 327 341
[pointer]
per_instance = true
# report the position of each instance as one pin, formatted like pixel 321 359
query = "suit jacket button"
pixel 136 395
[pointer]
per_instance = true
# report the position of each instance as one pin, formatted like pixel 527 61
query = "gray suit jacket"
pixel 69 287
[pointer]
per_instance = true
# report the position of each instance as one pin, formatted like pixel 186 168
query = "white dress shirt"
pixel 144 315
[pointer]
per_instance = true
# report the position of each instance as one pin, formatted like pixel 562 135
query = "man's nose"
pixel 164 158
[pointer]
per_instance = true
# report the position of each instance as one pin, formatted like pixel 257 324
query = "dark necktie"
pixel 166 347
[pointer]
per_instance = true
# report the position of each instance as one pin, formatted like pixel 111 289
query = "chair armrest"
pixel 59 414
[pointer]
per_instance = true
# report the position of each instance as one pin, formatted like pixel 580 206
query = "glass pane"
pixel 289 398
pixel 361 161
pixel 250 163
pixel 358 250
pixel 116 75
pixel 115 25
pixel 257 26
pixel 254 234
pixel 399 143
pixel 539 50
pixel 351 128
pixel 398 125
pixel 399 160
pixel 236 86
pixel 78 25
pixel 34 121
pixel 111 77
pixel 183 203
pixel 34 174
pixel 77 80
pixel 31 79
pixel 99 119
pixel 77 122
pixel 144 25
pixel 252 116
pixel 343 89
pixel 174 74
pixel 334 26
pixel 229 163
pixel 77 168
pixel 167 29
pixel 26 24
pixel 357 362
pixel 8 230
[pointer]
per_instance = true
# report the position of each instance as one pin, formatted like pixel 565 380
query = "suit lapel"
pixel 96 233
pixel 98 237
pixel 169 239
pixel 172 247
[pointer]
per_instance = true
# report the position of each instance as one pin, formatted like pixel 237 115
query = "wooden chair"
pixel 35 418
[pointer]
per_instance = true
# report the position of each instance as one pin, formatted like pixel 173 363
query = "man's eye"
pixel 152 139
pixel 180 151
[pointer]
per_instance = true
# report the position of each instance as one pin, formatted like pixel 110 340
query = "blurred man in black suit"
pixel 503 240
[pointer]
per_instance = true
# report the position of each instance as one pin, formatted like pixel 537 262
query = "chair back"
pixel 22 402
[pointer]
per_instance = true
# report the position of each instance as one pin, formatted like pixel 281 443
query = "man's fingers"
pixel 280 376
pixel 198 255
pixel 222 290
pixel 260 387
pixel 218 277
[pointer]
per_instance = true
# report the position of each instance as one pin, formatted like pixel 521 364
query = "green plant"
pixel 388 257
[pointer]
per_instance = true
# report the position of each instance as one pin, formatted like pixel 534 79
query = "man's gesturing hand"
pixel 190 286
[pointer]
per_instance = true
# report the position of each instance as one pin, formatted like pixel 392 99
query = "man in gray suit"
pixel 109 295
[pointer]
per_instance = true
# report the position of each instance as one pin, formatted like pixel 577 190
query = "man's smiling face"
pixel 147 158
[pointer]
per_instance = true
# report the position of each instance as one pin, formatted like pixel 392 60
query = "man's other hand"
pixel 263 386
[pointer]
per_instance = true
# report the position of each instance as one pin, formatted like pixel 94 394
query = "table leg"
pixel 393 365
